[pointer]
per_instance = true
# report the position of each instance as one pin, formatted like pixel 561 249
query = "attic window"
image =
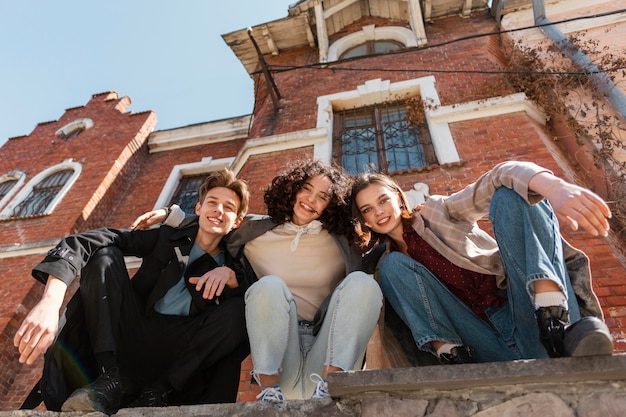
pixel 74 128
pixel 372 47
pixel 372 40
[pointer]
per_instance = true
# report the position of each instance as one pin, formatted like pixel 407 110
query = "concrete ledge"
pixel 567 387
pixel 438 377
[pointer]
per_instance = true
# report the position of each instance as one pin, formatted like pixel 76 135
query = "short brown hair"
pixel 226 178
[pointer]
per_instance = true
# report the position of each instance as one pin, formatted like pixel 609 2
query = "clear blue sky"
pixel 167 56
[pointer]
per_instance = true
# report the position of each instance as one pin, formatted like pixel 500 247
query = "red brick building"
pixel 331 79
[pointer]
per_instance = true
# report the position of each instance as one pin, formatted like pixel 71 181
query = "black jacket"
pixel 164 252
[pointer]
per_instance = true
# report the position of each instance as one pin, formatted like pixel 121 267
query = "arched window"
pixel 44 191
pixel 74 128
pixel 10 183
pixel 372 47
pixel 371 39
pixel 5 187
pixel 42 194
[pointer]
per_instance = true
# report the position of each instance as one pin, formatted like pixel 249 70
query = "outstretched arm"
pixel 150 218
pixel 40 326
pixel 574 205
pixel 172 216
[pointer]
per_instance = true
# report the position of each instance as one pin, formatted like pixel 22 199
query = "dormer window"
pixel 372 47
pixel 74 128
pixel 372 40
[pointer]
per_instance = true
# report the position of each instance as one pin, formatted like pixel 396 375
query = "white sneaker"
pixel 271 394
pixel 321 387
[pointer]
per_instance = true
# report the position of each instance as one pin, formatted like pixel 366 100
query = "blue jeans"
pixel 280 344
pixel 530 247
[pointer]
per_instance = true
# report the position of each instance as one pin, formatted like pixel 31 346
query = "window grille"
pixel 380 138
pixel 42 194
pixel 186 195
pixel 5 187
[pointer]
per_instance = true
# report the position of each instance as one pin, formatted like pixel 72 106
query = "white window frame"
pixel 378 91
pixel 28 188
pixel 84 124
pixel 207 165
pixel 15 174
pixel 371 33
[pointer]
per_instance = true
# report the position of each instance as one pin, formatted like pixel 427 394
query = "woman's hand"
pixel 574 205
pixel 213 282
pixel 150 218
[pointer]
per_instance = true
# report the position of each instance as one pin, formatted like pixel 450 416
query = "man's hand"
pixel 40 326
pixel 148 219
pixel 214 282
pixel 574 205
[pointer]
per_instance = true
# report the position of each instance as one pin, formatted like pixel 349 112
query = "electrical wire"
pixel 332 66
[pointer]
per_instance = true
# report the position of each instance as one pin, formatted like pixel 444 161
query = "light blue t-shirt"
pixel 177 300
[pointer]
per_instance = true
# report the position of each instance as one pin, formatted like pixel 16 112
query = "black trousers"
pixel 200 355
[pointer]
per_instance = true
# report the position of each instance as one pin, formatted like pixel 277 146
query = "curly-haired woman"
pixel 312 311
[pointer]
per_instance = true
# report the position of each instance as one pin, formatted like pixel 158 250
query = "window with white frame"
pixel 44 191
pixel 379 113
pixel 186 195
pixel 182 186
pixel 42 194
pixel 6 186
pixel 372 47
pixel 372 40
pixel 381 138
pixel 10 183
pixel 74 128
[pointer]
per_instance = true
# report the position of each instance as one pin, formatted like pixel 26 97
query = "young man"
pixel 171 335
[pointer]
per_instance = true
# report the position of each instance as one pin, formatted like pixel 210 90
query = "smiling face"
pixel 311 200
pixel 380 209
pixel 218 212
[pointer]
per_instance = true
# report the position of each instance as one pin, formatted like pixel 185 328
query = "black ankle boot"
pixel 458 355
pixel 552 322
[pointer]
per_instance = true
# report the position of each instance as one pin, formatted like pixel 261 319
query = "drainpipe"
pixel 614 95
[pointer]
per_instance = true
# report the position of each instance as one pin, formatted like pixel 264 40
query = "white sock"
pixel 549 299
pixel 445 348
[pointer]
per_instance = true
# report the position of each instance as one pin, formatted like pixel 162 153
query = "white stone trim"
pixel 378 91
pixel 371 33
pixel 292 140
pixel 200 134
pixel 28 188
pixel 438 118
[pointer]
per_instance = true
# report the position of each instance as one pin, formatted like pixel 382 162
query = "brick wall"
pixel 481 144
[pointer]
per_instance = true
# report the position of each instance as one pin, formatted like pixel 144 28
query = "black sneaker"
pixel 552 322
pixel 588 336
pixel 458 355
pixel 103 395
pixel 152 395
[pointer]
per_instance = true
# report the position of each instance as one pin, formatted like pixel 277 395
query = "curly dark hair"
pixel 280 196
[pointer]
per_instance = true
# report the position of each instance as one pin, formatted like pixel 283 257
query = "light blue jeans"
pixel 280 344
pixel 530 247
